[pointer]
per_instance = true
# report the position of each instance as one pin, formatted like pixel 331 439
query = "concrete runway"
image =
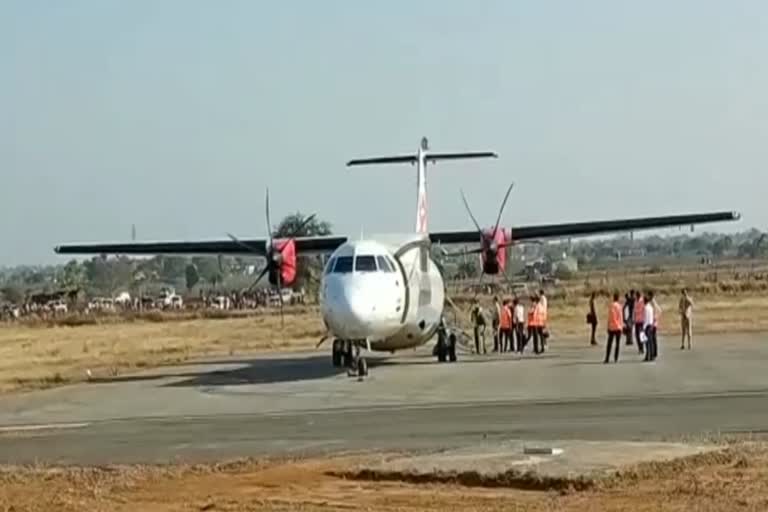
pixel 298 403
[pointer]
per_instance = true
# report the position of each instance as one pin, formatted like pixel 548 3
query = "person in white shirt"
pixel 649 327
pixel 518 320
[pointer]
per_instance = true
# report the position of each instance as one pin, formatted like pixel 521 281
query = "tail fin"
pixel 420 159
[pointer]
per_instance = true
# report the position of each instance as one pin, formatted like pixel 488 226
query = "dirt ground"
pixel 34 357
pixel 734 479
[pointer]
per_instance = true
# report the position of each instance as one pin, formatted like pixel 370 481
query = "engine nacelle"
pixel 283 261
pixel 494 254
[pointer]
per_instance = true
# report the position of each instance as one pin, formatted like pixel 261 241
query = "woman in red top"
pixel 615 327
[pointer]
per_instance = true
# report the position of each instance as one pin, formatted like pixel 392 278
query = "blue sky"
pixel 175 115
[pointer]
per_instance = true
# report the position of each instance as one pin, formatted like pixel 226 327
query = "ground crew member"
pixel 649 327
pixel 505 327
pixel 639 318
pixel 518 316
pixel 534 324
pixel 495 323
pixel 544 310
pixel 615 328
pixel 592 318
pixel 477 318
pixel 628 311
pixel 686 317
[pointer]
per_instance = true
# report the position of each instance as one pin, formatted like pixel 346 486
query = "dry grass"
pixel 736 479
pixel 35 357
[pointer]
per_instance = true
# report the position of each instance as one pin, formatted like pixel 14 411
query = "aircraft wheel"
pixel 349 355
pixel 452 348
pixel 362 367
pixel 442 351
pixel 337 356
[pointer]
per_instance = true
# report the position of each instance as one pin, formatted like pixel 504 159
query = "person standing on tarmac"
pixel 592 318
pixel 686 318
pixel 649 326
pixel 628 311
pixel 544 312
pixel 477 318
pixel 639 316
pixel 615 328
pixel 518 317
pixel 534 324
pixel 495 323
pixel 505 326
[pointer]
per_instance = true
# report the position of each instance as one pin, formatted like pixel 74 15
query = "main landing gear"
pixel 347 354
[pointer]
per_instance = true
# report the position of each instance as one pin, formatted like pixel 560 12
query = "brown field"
pixel 38 353
pixel 734 479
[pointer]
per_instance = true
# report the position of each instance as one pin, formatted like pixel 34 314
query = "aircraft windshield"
pixel 365 263
pixel 343 265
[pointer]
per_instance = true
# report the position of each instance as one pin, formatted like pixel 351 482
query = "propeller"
pixel 273 254
pixel 489 245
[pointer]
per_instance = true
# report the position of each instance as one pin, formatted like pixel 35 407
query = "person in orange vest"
pixel 615 328
pixel 534 324
pixel 505 326
pixel 544 310
pixel 639 318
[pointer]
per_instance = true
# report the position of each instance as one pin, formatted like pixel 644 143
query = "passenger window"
pixel 384 264
pixel 365 264
pixel 343 265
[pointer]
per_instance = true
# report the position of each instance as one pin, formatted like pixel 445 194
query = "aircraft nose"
pixel 358 305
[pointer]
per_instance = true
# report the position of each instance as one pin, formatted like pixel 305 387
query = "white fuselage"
pixel 386 293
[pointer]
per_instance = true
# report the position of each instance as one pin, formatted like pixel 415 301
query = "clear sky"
pixel 174 115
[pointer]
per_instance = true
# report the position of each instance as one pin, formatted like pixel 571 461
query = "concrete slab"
pixel 526 464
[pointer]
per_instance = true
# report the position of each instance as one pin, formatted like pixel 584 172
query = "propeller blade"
pixel 280 295
pixel 477 286
pixel 469 211
pixel 296 232
pixel 243 244
pixel 501 210
pixel 269 221
pixel 253 285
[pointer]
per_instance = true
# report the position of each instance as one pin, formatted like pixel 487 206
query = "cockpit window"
pixel 343 265
pixel 329 267
pixel 384 264
pixel 365 263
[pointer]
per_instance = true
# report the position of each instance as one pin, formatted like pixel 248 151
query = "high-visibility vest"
pixel 505 321
pixel 532 315
pixel 639 311
pixel 543 311
pixel 615 318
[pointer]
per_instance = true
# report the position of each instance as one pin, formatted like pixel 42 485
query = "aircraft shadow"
pixel 271 370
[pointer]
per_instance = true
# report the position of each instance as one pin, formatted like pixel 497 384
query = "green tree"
pixel 208 269
pixel 12 294
pixel 192 276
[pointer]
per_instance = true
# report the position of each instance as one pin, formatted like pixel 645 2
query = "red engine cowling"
pixel 285 264
pixel 494 254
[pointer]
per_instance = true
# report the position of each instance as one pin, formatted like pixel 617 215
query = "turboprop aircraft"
pixel 385 292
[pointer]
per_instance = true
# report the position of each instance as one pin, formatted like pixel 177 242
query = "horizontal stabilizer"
pixel 460 156
pixel 384 160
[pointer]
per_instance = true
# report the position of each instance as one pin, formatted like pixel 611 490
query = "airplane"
pixel 385 292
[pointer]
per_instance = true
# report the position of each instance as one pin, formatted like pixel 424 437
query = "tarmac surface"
pixel 298 403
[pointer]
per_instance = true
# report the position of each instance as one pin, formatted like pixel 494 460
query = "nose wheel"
pixel 347 354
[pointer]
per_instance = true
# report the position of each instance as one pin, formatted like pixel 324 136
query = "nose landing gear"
pixel 346 353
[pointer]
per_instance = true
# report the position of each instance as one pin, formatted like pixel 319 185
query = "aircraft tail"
pixel 420 159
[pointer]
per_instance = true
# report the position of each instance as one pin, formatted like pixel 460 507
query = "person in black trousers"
pixel 615 328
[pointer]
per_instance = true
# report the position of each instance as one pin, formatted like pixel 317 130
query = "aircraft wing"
pixel 244 247
pixel 574 229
